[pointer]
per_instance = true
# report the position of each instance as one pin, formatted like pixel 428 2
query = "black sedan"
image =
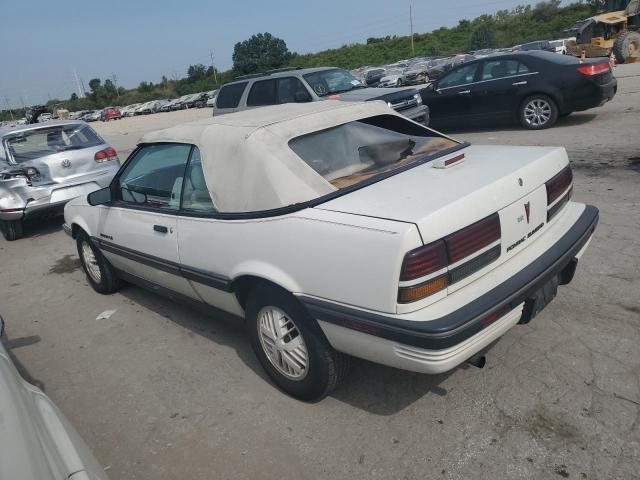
pixel 534 88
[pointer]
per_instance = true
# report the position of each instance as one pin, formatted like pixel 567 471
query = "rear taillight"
pixel 440 255
pixel 559 184
pixel 106 155
pixel 424 260
pixel 559 190
pixel 473 238
pixel 594 69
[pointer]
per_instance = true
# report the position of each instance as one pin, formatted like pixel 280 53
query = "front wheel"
pixel 101 275
pixel 538 112
pixel 11 229
pixel 291 346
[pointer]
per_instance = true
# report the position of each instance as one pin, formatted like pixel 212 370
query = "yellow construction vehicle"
pixel 617 32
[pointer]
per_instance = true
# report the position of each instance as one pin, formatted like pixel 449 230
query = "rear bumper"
pixel 440 344
pixel 594 96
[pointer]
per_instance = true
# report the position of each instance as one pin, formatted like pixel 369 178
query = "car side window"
pixel 460 76
pixel 290 90
pixel 522 68
pixel 229 96
pixel 494 69
pixel 262 93
pixel 154 176
pixel 195 194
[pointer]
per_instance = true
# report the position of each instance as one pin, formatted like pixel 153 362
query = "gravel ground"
pixel 160 391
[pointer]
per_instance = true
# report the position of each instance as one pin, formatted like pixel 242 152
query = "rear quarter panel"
pixel 345 258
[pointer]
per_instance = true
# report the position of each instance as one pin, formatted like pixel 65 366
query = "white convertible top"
pixel 247 163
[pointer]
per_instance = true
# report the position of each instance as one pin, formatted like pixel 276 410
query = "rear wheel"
pixel 627 45
pixel 291 346
pixel 11 229
pixel 100 274
pixel 538 112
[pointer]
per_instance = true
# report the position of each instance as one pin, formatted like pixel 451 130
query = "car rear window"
pixel 229 96
pixel 40 142
pixel 356 151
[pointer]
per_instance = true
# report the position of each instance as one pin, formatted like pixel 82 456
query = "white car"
pixel 36 440
pixel 337 228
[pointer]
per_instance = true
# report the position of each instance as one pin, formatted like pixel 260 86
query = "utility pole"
pixel 413 52
pixel 115 82
pixel 6 100
pixel 80 89
pixel 215 76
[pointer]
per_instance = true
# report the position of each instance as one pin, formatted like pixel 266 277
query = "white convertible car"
pixel 339 228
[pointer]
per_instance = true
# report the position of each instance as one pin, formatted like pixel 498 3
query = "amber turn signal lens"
pixel 422 290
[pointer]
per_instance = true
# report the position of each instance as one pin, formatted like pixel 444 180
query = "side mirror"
pixel 99 197
pixel 301 97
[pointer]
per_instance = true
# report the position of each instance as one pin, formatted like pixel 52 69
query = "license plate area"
pixel 539 300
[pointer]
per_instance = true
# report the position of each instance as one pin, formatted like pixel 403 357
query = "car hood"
pixel 36 441
pixel 365 94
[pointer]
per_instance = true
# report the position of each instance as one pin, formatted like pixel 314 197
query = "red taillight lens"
pixel 423 261
pixel 473 238
pixel 593 69
pixel 105 155
pixel 100 156
pixel 559 184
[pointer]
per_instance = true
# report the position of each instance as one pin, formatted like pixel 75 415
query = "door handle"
pixel 519 83
pixel 160 228
pixel 464 92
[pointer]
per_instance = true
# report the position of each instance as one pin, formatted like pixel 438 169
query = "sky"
pixel 43 42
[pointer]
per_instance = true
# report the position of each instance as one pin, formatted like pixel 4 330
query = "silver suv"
pixel 43 166
pixel 312 85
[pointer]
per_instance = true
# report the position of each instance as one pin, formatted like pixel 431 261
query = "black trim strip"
pixel 465 322
pixel 472 266
pixel 209 279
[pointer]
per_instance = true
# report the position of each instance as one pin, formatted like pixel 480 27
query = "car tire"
pixel 277 323
pixel 100 274
pixel 399 83
pixel 538 112
pixel 627 45
pixel 11 229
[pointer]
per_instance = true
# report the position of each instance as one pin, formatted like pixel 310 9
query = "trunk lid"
pixel 442 201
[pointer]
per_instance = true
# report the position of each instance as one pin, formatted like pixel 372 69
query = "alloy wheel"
pixel 90 262
pixel 282 343
pixel 537 112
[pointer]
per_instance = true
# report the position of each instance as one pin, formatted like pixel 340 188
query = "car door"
pixel 500 87
pixel 199 240
pixel 138 230
pixel 450 98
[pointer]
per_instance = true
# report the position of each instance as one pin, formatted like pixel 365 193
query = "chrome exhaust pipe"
pixel 478 360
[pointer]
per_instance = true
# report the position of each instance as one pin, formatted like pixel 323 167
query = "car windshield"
pixel 356 151
pixel 556 43
pixel 40 142
pixel 327 82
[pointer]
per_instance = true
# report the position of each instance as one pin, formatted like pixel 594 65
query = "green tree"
pixel 482 37
pixel 196 72
pixel 145 87
pixel 259 53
